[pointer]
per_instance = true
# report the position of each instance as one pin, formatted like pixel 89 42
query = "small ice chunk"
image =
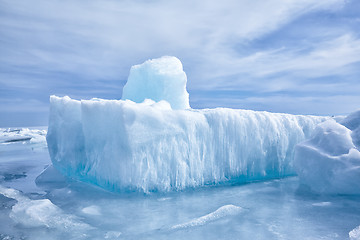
pixel 224 211
pixel 40 213
pixel 158 79
pixel 355 234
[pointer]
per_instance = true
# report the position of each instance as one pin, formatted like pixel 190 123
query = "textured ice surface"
pixel 275 209
pixel 329 162
pixel 158 79
pixel 122 145
pixel 352 122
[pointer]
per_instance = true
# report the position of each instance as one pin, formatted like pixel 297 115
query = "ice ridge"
pixel 224 211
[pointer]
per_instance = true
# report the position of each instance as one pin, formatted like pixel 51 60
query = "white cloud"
pixel 328 58
pixel 261 70
pixel 96 37
pixel 214 39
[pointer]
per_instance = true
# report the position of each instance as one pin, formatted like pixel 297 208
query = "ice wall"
pixel 121 145
pixel 158 79
pixel 329 162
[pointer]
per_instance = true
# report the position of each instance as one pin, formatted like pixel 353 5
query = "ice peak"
pixel 158 79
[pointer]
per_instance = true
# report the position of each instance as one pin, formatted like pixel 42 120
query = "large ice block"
pixel 121 145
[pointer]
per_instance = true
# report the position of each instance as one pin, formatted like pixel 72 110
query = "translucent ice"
pixel 122 145
pixel 153 141
pixel 158 79
pixel 329 162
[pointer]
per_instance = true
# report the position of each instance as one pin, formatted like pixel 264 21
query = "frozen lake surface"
pixel 50 206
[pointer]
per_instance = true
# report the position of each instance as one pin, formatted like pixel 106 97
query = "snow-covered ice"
pixel 329 162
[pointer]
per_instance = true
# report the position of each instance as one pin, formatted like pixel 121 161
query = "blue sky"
pixel 294 56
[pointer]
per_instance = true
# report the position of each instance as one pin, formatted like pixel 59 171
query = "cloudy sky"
pixel 294 56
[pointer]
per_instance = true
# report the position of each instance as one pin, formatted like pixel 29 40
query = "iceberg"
pixel 329 162
pixel 122 145
pixel 163 145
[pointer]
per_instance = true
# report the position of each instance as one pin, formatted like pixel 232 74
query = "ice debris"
pixel 12 135
pixel 40 213
pixel 355 234
pixel 329 162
